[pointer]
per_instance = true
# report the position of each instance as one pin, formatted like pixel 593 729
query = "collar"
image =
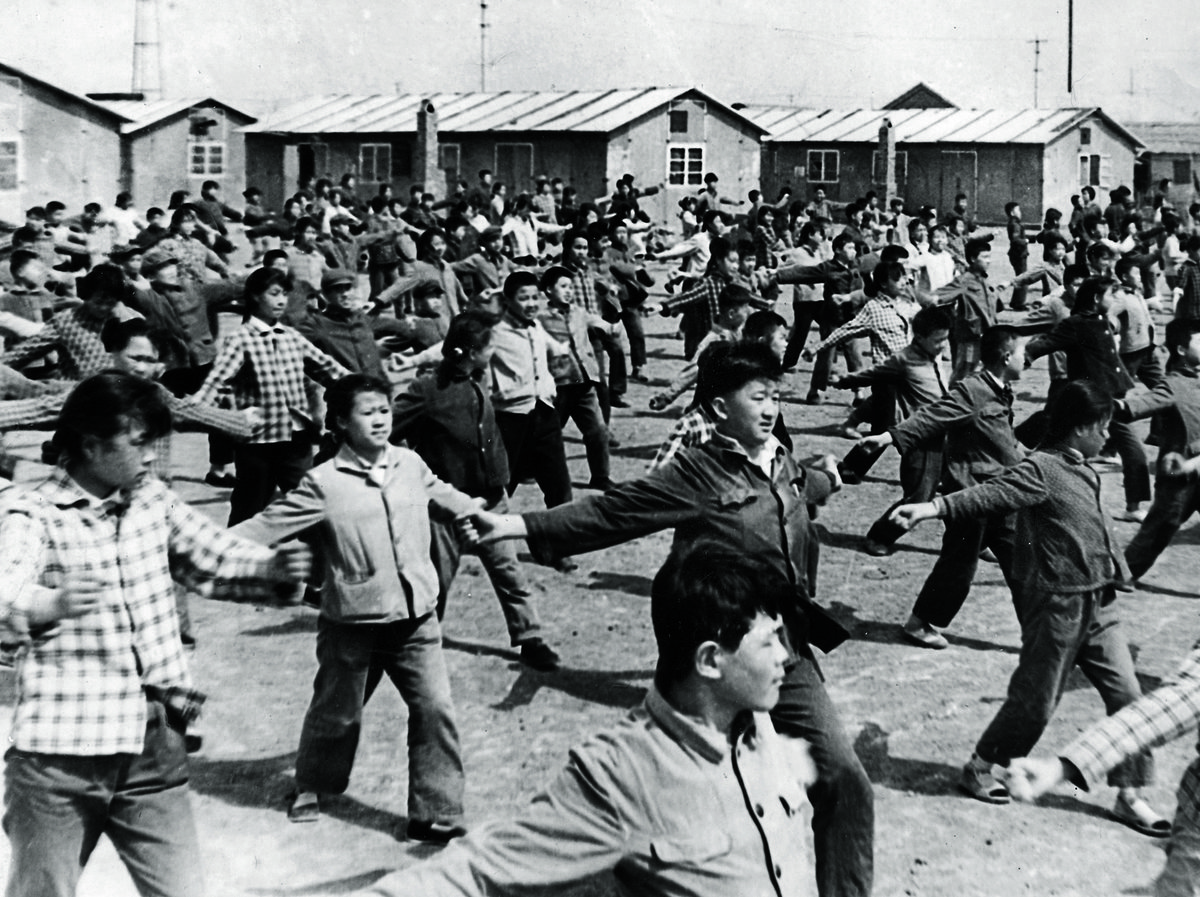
pixel 772 450
pixel 1074 456
pixel 710 744
pixel 261 327
pixel 1004 390
pixel 61 490
pixel 350 461
pixel 514 323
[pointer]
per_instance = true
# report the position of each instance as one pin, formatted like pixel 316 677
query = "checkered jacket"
pixel 1153 720
pixel 81 681
pixel 694 428
pixel 265 367
pixel 75 335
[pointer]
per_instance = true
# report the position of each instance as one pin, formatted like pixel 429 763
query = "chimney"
pixel 886 174
pixel 426 167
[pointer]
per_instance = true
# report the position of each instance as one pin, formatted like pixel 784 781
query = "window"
pixel 685 165
pixel 878 174
pixel 822 166
pixel 449 155
pixel 1182 171
pixel 207 158
pixel 1095 170
pixel 679 121
pixel 1085 136
pixel 375 162
pixel 514 166
pixel 8 165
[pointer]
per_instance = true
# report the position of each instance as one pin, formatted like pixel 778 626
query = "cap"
pixel 976 245
pixel 123 251
pixel 156 259
pixel 893 252
pixel 251 191
pixel 491 233
pixel 335 277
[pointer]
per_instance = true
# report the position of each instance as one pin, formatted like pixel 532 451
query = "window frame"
pixel 824 153
pixel 1098 163
pixel 687 174
pixel 378 174
pixel 16 171
pixel 206 168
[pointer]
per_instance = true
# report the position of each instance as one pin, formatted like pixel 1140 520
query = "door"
pixel 960 174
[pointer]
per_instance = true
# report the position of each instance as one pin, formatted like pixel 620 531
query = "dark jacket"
pixel 974 304
pixel 712 491
pixel 1176 408
pixel 449 421
pixel 346 337
pixel 1091 352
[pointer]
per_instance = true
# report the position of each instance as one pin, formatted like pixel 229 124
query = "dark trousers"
pixel 1058 633
pixel 534 445
pixel 949 582
pixel 1020 264
pixel 694 324
pixel 56 807
pixel 579 402
pixel 1175 500
pixel 351 658
pixel 1032 430
pixel 803 316
pixel 185 381
pixel 830 319
pixel 842 798
pixel 1134 468
pixel 631 317
pixel 262 467
pixel 503 569
pixel 920 473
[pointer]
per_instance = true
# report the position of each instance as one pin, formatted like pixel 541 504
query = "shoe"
pixel 602 485
pixel 304 807
pixel 1141 817
pixel 220 480
pixel 982 785
pixel 613 441
pixel 433 832
pixel 925 636
pixel 878 549
pixel 618 402
pixel 988 556
pixel 565 565
pixel 813 398
pixel 849 477
pixel 644 277
pixel 537 655
pixel 1137 516
pixel 193 741
pixel 639 376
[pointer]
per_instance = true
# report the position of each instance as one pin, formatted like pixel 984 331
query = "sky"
pixel 1132 58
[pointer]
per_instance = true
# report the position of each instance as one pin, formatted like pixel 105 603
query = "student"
pixel 447 418
pixel 700 303
pixel 1087 338
pixel 155 230
pixel 701 748
pixel 486 269
pixel 915 378
pixel 733 304
pixel 306 265
pixel 1069 563
pixel 104 696
pixel 1187 290
pixel 28 297
pixel 1177 414
pixel 431 265
pixel 576 371
pixel 808 300
pixel 936 266
pixel 193 256
pixel 369 508
pixel 975 307
pixel 264 363
pixel 768 523
pixel 841 277
pixel 975 417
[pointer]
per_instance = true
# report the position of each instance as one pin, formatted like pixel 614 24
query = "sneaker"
pixel 982 785
pixel 813 398
pixel 613 441
pixel 428 832
pixel 618 402
pixel 537 655
pixel 304 807
pixel 220 480
pixel 846 431
pixel 1137 516
pixel 565 565
pixel 926 636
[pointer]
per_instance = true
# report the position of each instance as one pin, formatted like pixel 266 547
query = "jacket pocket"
pixel 690 851
pixel 735 497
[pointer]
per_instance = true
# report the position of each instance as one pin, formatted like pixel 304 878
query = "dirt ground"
pixel 914 713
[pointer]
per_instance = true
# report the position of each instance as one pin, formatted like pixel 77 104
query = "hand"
pixel 829 464
pixel 293 562
pixel 1173 465
pixel 480 527
pixel 878 442
pixel 1028 778
pixel 908 516
pixel 651 308
pixel 254 417
pixel 79 595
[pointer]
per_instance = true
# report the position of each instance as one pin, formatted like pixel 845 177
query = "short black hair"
pixel 708 592
pixel 996 342
pixel 1080 404
pixel 105 279
pixel 339 398
pixel 841 240
pixel 553 275
pixel 271 255
pixel 930 320
pixel 733 295
pixel 1009 206
pixel 518 279
pixel 20 258
pixel 1087 297
pixel 116 335
pixel 761 324
pixel 1076 271
pixel 105 405
pixel 468 331
pixel 26 235
pixel 725 367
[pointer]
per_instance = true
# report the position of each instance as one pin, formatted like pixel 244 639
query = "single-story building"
pixel 667 136
pixel 1172 151
pixel 1037 157
pixel 54 144
pixel 169 145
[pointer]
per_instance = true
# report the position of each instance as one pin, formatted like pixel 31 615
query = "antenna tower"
pixel 147 53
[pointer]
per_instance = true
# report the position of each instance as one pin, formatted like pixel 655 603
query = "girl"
pixel 191 253
pixel 699 304
pixel 369 509
pixel 264 363
pixel 448 419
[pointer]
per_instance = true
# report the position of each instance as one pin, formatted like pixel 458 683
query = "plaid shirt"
pixel 76 334
pixel 82 680
pixel 265 365
pixel 1153 720
pixel 882 320
pixel 694 428
pixel 706 292
pixel 194 258
pixel 1188 305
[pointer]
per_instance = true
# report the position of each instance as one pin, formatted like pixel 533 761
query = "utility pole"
pixel 1037 58
pixel 1070 46
pixel 483 26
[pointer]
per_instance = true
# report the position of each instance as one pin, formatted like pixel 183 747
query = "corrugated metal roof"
pixel 144 113
pixel 1169 136
pixel 592 111
pixel 1040 126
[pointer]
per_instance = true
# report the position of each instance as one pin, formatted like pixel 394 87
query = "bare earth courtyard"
pixel 914 714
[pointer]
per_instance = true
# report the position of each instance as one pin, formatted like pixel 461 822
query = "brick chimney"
pixel 426 167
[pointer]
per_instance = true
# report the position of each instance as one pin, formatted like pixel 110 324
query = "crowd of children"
pixel 387 430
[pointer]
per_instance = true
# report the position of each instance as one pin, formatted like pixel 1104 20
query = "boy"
pixel 1177 413
pixel 1018 252
pixel 975 417
pixel 28 297
pixel 1069 564
pixel 340 329
pixel 745 491
pixel 105 695
pixel 155 230
pixel 916 379
pixel 577 372
pixel 701 747
pixel 1187 291
pixel 975 307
